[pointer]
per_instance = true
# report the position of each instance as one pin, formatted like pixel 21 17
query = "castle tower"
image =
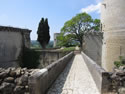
pixel 55 39
pixel 113 26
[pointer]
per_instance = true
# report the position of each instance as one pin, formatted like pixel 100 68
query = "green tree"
pixel 63 40
pixel 43 33
pixel 96 24
pixel 66 40
pixel 78 25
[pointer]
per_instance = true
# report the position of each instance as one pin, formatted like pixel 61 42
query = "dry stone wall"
pixel 118 80
pixel 15 80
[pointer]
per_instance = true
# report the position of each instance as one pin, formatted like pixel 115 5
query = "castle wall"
pixel 113 26
pixel 26 36
pixel 93 46
pixel 12 41
pixel 10 47
pixel 113 15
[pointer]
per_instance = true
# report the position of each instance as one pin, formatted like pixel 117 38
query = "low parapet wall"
pixel 47 57
pixel 41 80
pixel 100 76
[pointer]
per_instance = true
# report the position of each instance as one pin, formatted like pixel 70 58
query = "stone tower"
pixel 55 39
pixel 113 26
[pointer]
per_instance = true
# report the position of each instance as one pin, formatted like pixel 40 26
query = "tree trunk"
pixel 43 46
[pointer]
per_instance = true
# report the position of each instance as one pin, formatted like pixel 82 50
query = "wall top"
pixel 93 33
pixel 14 29
pixel 56 33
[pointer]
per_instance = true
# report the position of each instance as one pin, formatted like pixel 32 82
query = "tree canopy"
pixel 74 29
pixel 43 33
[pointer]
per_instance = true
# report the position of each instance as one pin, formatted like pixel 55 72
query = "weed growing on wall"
pixel 120 62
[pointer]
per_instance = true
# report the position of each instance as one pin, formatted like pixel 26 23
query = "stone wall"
pixel 93 46
pixel 15 80
pixel 113 47
pixel 113 26
pixel 115 20
pixel 118 80
pixel 49 56
pixel 31 81
pixel 12 41
pixel 55 39
pixel 100 76
pixel 26 38
pixel 41 80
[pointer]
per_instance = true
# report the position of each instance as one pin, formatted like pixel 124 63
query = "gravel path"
pixel 75 79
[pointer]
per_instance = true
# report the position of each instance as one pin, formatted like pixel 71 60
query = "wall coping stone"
pixel 40 72
pixel 94 33
pixel 14 29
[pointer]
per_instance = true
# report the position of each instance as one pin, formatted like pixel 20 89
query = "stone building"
pixel 113 26
pixel 92 45
pixel 12 42
pixel 55 39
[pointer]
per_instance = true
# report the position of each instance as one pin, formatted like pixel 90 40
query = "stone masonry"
pixel 75 79
pixel 55 39
pixel 113 26
pixel 93 46
pixel 12 42
pixel 15 80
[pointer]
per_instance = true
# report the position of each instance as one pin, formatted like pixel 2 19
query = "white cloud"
pixel 92 8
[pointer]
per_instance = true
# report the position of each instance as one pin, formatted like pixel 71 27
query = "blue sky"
pixel 27 13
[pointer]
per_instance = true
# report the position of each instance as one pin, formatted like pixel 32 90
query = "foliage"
pixel 43 33
pixel 30 58
pixel 96 24
pixel 75 28
pixel 68 49
pixel 119 63
pixel 66 40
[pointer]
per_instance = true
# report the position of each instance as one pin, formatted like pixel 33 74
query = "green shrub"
pixel 30 58
pixel 119 63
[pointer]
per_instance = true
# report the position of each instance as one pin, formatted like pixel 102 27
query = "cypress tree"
pixel 43 33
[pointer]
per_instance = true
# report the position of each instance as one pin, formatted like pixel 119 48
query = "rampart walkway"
pixel 75 79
